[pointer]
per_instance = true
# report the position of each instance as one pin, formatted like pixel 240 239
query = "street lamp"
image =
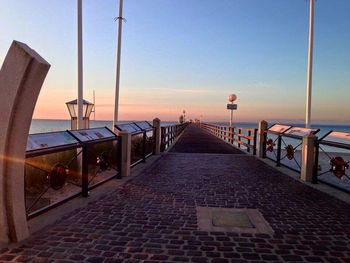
pixel 309 66
pixel 73 112
pixel 232 106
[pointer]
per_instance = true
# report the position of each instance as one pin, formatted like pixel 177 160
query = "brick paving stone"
pixel 313 259
pixel 292 258
pixel 269 257
pixel 199 259
pixel 219 260
pixel 251 256
pixel 153 217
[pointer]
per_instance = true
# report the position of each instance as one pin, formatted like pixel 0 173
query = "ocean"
pixel 41 126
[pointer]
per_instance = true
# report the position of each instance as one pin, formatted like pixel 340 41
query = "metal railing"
pixel 243 138
pixel 332 161
pixel 170 133
pixel 60 166
pixel 284 147
pixel 142 146
pixel 142 140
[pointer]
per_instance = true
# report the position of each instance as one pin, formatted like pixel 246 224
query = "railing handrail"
pixel 169 133
pixel 234 134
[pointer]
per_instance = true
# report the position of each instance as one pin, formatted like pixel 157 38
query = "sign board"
pixel 339 137
pixel 130 127
pixel 144 125
pixel 232 106
pixel 93 134
pixel 300 131
pixel 279 128
pixel 48 140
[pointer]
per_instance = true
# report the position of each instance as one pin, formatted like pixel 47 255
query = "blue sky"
pixel 190 54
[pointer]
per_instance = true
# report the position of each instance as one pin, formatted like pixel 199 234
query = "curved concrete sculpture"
pixel 21 77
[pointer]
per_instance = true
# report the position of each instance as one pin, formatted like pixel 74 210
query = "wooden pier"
pixel 202 201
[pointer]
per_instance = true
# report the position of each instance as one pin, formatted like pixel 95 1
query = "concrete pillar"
pixel 21 77
pixel 126 153
pixel 308 157
pixel 157 136
pixel 261 138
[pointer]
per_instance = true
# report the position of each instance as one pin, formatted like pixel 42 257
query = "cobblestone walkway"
pixel 153 218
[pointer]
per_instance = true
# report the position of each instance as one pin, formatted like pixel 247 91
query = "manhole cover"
pixel 231 219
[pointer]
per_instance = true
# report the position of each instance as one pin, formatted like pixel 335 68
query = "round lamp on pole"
pixel 232 98
pixel 73 112
pixel 232 106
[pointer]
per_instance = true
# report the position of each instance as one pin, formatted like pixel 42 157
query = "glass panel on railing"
pixel 51 178
pixel 136 148
pixel 149 142
pixel 102 161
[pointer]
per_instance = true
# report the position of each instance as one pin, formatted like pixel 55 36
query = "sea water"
pixel 42 126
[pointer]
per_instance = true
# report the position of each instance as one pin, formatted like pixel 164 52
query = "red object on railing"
pixel 338 166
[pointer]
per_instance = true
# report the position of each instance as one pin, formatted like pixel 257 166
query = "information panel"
pixel 279 128
pixel 130 127
pixel 300 131
pixel 340 137
pixel 93 134
pixel 48 140
pixel 232 106
pixel 144 125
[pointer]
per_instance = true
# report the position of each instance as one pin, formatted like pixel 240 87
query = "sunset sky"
pixel 189 54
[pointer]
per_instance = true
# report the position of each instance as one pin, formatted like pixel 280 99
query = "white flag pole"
pixel 309 67
pixel 118 55
pixel 80 66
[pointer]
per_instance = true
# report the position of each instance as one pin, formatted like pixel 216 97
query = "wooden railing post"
pixel 279 145
pixel 157 136
pixel 249 134
pixel 163 139
pixel 233 134
pixel 254 142
pixel 262 139
pixel 239 138
pixel 144 138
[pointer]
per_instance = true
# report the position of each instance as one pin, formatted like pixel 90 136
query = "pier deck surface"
pixel 195 140
pixel 153 217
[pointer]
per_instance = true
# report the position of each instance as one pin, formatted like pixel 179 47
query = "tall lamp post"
pixel 80 65
pixel 232 106
pixel 309 66
pixel 119 46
